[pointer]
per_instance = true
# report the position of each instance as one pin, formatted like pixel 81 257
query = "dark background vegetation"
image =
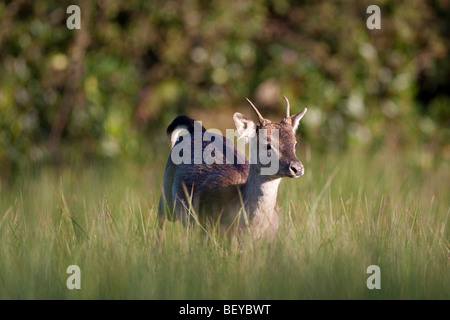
pixel 109 90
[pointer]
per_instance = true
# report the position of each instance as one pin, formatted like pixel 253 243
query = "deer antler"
pixel 287 119
pixel 287 106
pixel 262 121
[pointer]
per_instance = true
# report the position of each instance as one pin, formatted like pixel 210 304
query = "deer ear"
pixel 245 127
pixel 296 119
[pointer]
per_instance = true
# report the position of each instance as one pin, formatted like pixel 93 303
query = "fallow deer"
pixel 237 193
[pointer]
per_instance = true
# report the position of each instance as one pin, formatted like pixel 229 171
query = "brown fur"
pixel 217 191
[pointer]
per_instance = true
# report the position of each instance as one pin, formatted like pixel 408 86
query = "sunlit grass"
pixel 348 212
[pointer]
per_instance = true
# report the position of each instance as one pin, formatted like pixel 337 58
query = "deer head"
pixel 279 138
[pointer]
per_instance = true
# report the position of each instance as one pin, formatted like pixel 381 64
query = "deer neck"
pixel 260 197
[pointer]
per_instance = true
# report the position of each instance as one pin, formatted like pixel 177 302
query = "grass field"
pixel 349 211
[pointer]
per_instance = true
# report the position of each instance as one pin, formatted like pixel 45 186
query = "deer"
pixel 236 194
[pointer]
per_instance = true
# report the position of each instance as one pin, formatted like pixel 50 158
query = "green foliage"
pixel 113 86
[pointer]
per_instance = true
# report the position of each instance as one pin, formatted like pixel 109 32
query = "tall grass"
pixel 349 211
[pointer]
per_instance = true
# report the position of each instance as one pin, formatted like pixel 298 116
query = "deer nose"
pixel 296 168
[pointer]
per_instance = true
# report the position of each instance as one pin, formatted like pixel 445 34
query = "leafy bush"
pixel 115 84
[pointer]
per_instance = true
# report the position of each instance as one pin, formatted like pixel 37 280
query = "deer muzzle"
pixel 296 169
